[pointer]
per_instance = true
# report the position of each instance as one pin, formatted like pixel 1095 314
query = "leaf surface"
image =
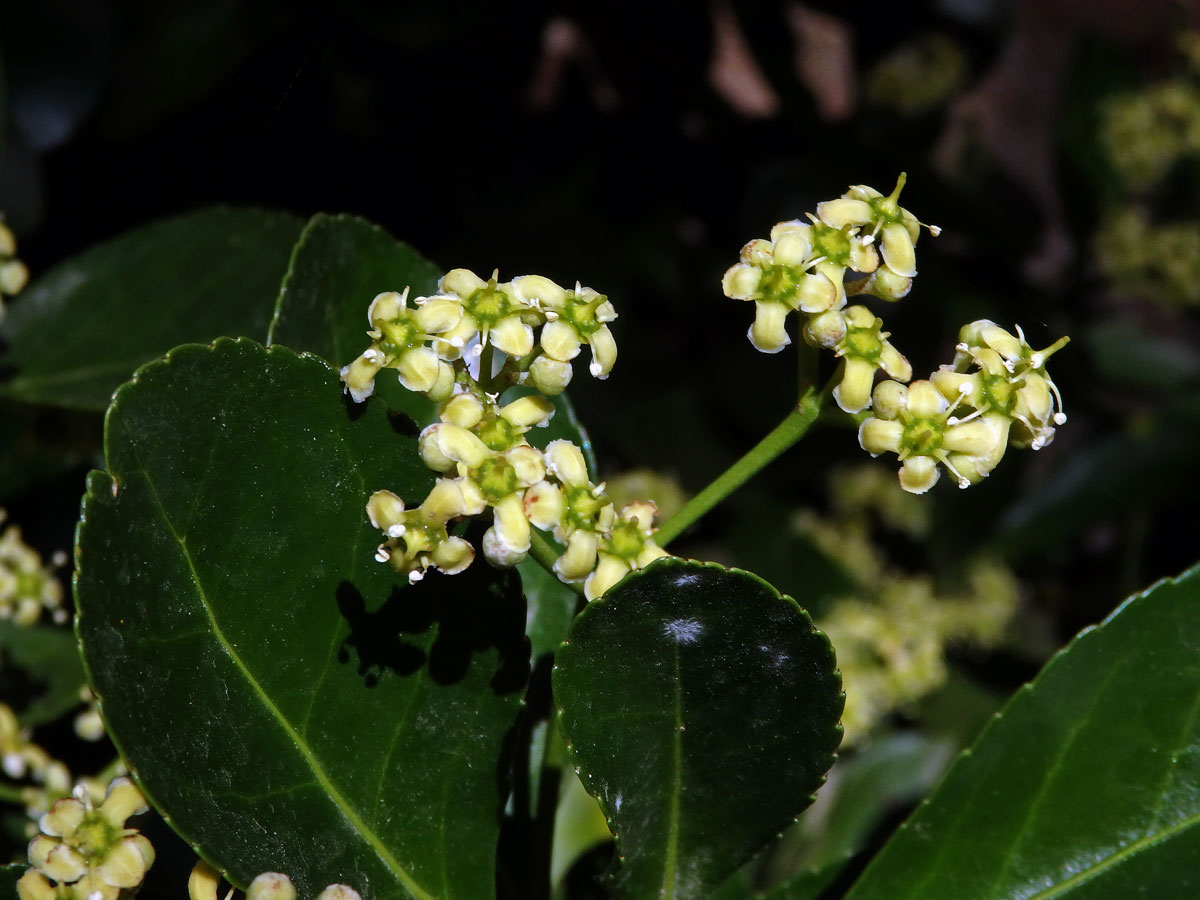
pixel 289 703
pixel 337 268
pixel 701 709
pixel 83 327
pixel 41 667
pixel 1086 786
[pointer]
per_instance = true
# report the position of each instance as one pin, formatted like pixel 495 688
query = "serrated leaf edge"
pixel 1087 634
pixel 95 476
pixel 667 891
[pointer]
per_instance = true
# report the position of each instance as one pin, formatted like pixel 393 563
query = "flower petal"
pixel 897 248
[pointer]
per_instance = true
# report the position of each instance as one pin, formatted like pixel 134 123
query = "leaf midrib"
pixel 344 806
pixel 676 789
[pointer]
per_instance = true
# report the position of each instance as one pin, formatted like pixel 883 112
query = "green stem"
pixel 807 362
pixel 109 772
pixel 11 793
pixel 783 436
pixel 545 555
pixel 485 368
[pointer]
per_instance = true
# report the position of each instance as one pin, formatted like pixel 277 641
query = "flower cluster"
pixel 27 587
pixel 1145 133
pixel 1154 261
pixel 481 450
pixel 85 851
pixel 803 267
pixel 13 273
pixel 892 628
pixel 965 415
pixel 202 885
pixel 479 447
pixel 21 758
pixel 424 340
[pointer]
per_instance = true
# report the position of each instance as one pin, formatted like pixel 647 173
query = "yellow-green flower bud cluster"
pixel 966 414
pixel 27 587
pixel 20 758
pixel 1154 261
pixel 13 273
pixel 1145 133
pixel 539 325
pixel 85 851
pixel 203 882
pixel 918 76
pixel 803 267
pixel 891 649
pixel 892 633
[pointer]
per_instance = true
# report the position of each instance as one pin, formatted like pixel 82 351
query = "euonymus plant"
pixel 362 620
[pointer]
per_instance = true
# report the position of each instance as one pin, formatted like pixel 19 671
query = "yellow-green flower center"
pixel 626 541
pixel 831 243
pixel 497 433
pixel 421 535
pixel 862 343
pixel 582 506
pixel 581 314
pixel 94 837
pixel 489 305
pixel 400 335
pixel 922 436
pixel 496 478
pixel 779 284
pixel 999 393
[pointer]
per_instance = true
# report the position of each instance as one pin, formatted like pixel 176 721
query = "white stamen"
pixel 382 554
pixel 966 419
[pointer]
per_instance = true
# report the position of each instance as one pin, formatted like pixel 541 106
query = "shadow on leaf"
pixel 474 611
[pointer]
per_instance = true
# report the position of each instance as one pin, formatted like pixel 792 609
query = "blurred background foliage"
pixel 635 147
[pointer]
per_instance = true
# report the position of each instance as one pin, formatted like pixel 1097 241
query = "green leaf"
pixel 41 666
pixel 286 701
pixel 1086 785
pixel 338 266
pixel 701 709
pixel 9 876
pixel 807 885
pixel 862 790
pixel 83 327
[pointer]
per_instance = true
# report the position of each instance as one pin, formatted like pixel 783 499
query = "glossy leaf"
pixel 285 700
pixel 41 667
pixel 701 709
pixel 1086 786
pixel 338 266
pixel 83 327
pixel 9 875
pixel 863 790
